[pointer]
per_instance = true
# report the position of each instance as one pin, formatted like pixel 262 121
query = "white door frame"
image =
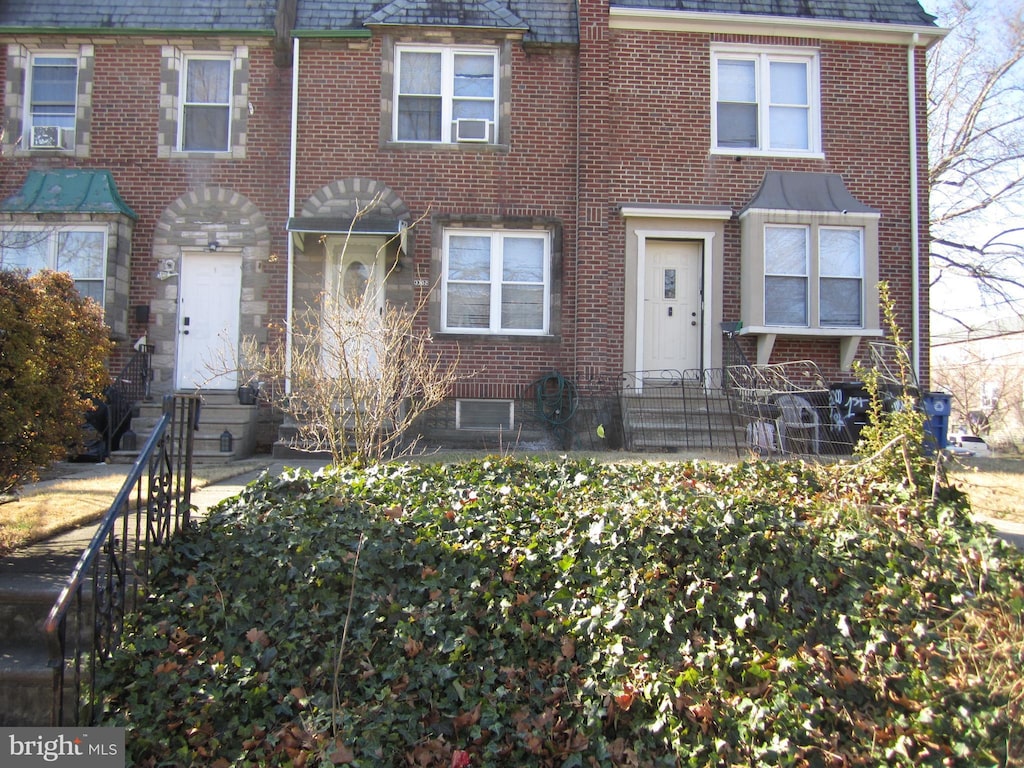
pixel 706 239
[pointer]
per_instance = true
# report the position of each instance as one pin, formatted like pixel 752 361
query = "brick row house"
pixel 590 188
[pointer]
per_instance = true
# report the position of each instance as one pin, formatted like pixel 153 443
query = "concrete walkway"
pixel 48 564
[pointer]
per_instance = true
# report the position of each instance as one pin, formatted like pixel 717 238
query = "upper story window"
pixel 765 103
pixel 80 252
pixel 445 94
pixel 496 281
pixel 205 122
pixel 52 101
pixel 814 276
pixel 205 106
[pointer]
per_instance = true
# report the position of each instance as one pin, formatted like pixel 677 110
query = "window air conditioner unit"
pixel 48 137
pixel 472 129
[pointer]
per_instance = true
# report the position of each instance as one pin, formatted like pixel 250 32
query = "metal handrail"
pixel 85 623
pixel 126 391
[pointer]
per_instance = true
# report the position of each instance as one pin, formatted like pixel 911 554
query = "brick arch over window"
pixel 203 219
pixel 346 197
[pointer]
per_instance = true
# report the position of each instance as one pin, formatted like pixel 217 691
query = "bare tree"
pixel 985 388
pixel 976 165
pixel 359 376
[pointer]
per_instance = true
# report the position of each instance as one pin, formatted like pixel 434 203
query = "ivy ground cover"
pixel 567 613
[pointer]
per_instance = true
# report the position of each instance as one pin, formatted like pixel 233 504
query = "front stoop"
pixel 26 674
pixel 219 412
pixel 684 417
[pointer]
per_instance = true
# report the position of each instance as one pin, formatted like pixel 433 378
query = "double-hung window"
pixel 786 269
pixel 205 122
pixel 496 281
pixel 80 252
pixel 765 103
pixel 445 94
pixel 52 101
pixel 841 277
pixel 814 276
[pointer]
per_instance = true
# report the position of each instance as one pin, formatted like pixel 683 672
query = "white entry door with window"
pixel 209 298
pixel 672 313
pixel 354 305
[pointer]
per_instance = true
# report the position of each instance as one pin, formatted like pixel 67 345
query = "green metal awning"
pixel 68 190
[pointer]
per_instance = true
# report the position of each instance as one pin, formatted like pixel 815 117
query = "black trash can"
pixel 848 407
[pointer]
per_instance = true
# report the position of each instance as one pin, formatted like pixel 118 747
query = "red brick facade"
pixel 623 119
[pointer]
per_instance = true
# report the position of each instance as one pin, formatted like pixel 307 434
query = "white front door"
pixel 354 304
pixel 209 297
pixel 673 317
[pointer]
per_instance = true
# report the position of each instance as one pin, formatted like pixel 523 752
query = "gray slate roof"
pixel 879 11
pixel 485 13
pixel 550 21
pixel 201 15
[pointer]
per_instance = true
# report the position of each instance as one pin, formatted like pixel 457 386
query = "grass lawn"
pixel 995 486
pixel 78 494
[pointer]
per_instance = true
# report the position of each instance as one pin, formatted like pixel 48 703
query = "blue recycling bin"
pixel 936 425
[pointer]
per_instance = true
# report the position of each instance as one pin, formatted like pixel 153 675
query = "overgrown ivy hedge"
pixel 567 613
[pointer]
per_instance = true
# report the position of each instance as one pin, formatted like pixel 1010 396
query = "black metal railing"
pixel 660 411
pixel 668 410
pixel 154 503
pixel 129 388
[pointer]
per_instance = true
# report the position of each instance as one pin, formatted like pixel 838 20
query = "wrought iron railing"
pixel 660 411
pixel 154 503
pixel 126 391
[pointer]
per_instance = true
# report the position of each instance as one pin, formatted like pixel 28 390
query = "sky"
pixel 961 297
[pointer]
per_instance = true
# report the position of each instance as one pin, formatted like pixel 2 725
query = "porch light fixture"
pixel 213 246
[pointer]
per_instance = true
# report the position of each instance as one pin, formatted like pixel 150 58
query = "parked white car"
pixel 970 445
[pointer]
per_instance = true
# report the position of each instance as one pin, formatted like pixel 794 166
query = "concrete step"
pixel 22 613
pixel 218 412
pixel 26 673
pixel 26 688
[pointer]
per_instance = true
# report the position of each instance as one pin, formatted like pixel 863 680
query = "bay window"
pixel 841 276
pixel 79 252
pixel 834 255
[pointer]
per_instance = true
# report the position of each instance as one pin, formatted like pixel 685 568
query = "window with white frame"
pixel 799 258
pixel 52 100
pixel 496 281
pixel 765 103
pixel 206 88
pixel 445 94
pixel 81 252
pixel 841 277
pixel 786 270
